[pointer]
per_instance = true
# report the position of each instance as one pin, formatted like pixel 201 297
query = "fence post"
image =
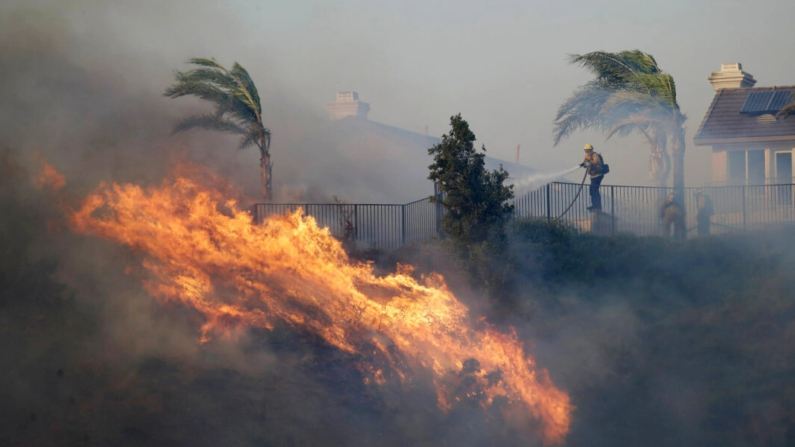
pixel 612 209
pixel 403 225
pixel 744 193
pixel 549 206
pixel 254 214
pixel 356 222
pixel 438 211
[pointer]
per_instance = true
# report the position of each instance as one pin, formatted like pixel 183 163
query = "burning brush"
pixel 204 252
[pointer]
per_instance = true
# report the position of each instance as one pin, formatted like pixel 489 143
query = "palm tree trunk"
pixel 679 165
pixel 659 167
pixel 266 168
pixel 679 175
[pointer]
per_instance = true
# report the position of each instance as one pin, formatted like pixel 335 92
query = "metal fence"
pixel 636 209
pixel 625 209
pixel 374 225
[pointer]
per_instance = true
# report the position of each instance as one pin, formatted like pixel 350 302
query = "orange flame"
pixel 290 270
pixel 49 176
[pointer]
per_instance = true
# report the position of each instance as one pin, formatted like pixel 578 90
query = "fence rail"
pixel 626 209
pixel 374 225
pixel 636 209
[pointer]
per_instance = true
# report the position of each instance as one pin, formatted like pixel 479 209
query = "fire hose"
pixel 576 196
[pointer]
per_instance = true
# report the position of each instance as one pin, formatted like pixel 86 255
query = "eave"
pixel 713 141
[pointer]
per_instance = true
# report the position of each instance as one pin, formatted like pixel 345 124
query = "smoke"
pixel 89 356
pixel 83 85
pixel 657 344
pixel 535 181
pixel 664 344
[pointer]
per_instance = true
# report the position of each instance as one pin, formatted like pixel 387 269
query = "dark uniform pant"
pixel 596 197
pixel 703 225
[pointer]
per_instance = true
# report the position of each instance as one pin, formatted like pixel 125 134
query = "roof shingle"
pixel 724 123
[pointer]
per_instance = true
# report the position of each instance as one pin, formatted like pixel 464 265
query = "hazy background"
pixel 692 343
pixel 502 64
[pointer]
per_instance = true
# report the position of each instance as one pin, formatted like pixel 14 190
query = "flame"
pixel 199 247
pixel 48 175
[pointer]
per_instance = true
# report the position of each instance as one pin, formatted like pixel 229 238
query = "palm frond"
pixel 787 110
pixel 209 122
pixel 203 61
pixel 617 69
pixel 657 85
pixel 625 102
pixel 238 109
pixel 247 85
pixel 580 111
pixel 203 90
pixel 256 136
pixel 639 61
pixel 641 123
pixel 211 76
pixel 233 92
pixel 248 140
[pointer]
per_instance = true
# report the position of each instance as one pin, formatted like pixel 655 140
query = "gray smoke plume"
pixel 658 345
pixel 89 357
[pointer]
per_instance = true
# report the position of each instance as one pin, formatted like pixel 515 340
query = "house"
pixel 369 162
pixel 749 144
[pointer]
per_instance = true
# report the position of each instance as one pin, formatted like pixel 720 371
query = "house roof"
pixel 364 161
pixel 723 122
pixel 420 143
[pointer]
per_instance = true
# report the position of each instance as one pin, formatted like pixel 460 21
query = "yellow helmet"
pixel 588 147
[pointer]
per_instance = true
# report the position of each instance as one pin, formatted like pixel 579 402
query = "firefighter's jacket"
pixel 671 211
pixel 596 169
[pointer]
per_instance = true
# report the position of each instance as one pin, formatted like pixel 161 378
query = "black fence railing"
pixel 374 225
pixel 636 209
pixel 625 209
pixel 754 181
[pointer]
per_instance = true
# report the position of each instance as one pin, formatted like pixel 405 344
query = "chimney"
pixel 347 104
pixel 517 154
pixel 731 75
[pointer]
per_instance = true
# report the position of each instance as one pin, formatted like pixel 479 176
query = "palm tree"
pixel 788 109
pixel 629 94
pixel 237 108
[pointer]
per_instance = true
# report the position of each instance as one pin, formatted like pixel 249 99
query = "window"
pixel 736 168
pixel 784 177
pixel 756 167
pixel 783 167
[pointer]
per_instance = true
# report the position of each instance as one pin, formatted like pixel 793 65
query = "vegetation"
pixel 657 343
pixel 475 203
pixel 237 108
pixel 630 93
pixel 687 344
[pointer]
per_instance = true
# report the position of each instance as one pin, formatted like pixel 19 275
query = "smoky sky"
pixel 83 86
pixel 502 65
pixel 96 360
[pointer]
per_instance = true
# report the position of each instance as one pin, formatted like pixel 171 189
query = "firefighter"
pixel 672 214
pixel 704 212
pixel 597 169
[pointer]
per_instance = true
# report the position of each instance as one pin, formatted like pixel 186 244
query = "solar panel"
pixel 779 100
pixel 757 102
pixel 766 102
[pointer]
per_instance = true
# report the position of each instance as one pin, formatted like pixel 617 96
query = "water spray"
pixel 535 181
pixel 538 180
